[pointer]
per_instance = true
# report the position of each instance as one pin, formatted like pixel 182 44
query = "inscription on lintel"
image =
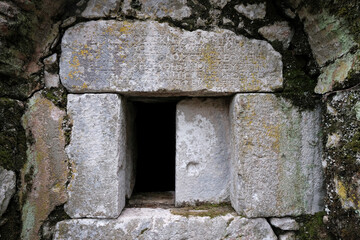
pixel 150 57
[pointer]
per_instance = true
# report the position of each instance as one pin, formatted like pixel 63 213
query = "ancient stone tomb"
pixel 233 139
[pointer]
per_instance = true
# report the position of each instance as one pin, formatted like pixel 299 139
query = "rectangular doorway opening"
pixel 155 129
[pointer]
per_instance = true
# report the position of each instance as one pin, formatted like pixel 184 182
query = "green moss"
pixel 58 96
pixel 12 135
pixel 204 210
pixel 312 227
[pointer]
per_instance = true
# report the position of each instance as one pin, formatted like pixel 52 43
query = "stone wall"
pixel 275 104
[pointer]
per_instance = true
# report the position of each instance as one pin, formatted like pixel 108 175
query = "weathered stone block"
pixel 152 58
pixel 145 223
pixel 7 188
pixel 276 157
pixel 202 156
pixel 45 174
pixel 97 152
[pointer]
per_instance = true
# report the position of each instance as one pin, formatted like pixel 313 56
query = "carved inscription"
pixel 150 57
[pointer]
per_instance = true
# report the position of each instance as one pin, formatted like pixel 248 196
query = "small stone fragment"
pixel 51 75
pixel 286 224
pixel 333 140
pixel 7 188
pixel 227 21
pixel 67 22
pixel 357 110
pixel 175 9
pixel 280 31
pixel 252 11
pixel 202 159
pixel 100 8
pixel 288 236
pixel 219 3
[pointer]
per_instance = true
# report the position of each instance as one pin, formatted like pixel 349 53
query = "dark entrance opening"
pixel 155 136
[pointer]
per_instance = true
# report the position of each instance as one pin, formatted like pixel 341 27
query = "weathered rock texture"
pixel 97 152
pixel 276 157
pixel 154 58
pixel 45 174
pixel 7 188
pixel 202 153
pixel 143 223
pixel 100 8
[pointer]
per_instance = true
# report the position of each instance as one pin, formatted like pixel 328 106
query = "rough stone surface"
pixel 276 157
pixel 7 188
pixel 154 58
pixel 202 157
pixel 252 11
pixel 100 8
pixel 175 9
pixel 51 76
pixel 280 31
pixel 288 236
pixel 337 72
pixel 219 3
pixel 328 38
pixel 45 174
pixel 97 152
pixel 145 223
pixel 284 223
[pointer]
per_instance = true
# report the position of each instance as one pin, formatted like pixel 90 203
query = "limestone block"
pixel 97 152
pixel 276 167
pixel 175 9
pixel 202 156
pixel 337 72
pixel 45 174
pixel 280 31
pixel 151 58
pixel 100 8
pixel 328 37
pixel 161 224
pixel 285 223
pixel 7 188
pixel 252 11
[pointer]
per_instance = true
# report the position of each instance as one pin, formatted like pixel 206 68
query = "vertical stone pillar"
pixel 202 157
pixel 97 153
pixel 276 157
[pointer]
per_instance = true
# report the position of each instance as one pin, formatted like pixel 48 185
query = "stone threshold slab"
pixel 153 59
pixel 148 223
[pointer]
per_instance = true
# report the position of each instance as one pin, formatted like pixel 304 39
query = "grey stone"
pixel 175 9
pixel 146 223
pixel 155 59
pixel 328 37
pixel 68 22
pixel 202 157
pixel 285 223
pixel 7 188
pixel 45 174
pixel 51 80
pixel 276 167
pixel 97 153
pixel 280 31
pixel 252 11
pixel 287 236
pixel 337 72
pixel 219 3
pixel 100 8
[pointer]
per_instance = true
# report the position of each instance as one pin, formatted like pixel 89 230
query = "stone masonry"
pixel 97 154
